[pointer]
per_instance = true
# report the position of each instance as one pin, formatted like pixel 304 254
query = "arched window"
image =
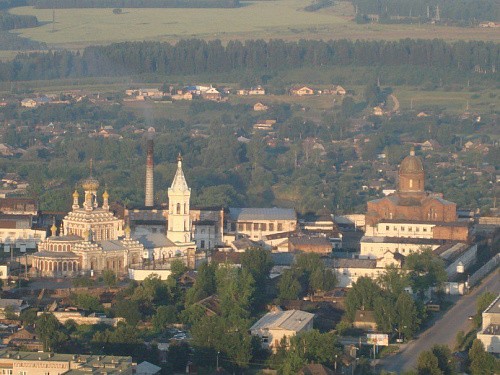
pixel 185 208
pixel 178 208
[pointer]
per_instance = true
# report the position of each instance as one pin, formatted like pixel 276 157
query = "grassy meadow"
pixel 77 28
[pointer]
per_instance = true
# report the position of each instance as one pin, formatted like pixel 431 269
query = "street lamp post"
pixel 217 368
pixel 336 362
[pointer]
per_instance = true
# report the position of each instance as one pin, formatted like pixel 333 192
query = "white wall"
pixel 140 275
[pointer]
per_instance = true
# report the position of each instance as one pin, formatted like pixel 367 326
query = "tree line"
pixel 458 10
pixel 13 21
pixel 14 42
pixel 196 56
pixel 65 4
pixel 6 4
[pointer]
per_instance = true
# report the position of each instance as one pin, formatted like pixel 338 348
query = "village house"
pixel 14 306
pixel 181 95
pixel 259 90
pixel 29 103
pixel 264 125
pixel 378 111
pixel 24 338
pixel 335 90
pixel 260 107
pixel 276 325
pixel 308 244
pixel 349 270
pixel 301 91
pixel 212 94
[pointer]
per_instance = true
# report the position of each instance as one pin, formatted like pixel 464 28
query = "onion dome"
pixel 105 195
pixel 76 195
pixel 90 184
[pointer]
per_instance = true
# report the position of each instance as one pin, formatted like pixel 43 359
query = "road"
pixel 444 330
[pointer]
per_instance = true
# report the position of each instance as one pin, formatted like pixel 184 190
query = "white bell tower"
pixel 179 221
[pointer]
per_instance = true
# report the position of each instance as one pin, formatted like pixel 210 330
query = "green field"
pixel 77 28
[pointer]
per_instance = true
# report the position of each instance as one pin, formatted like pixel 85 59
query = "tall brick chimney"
pixel 149 191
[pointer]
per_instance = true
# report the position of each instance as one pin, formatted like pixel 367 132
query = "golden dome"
pixel 105 195
pixel 90 184
pixel 75 194
pixel 411 164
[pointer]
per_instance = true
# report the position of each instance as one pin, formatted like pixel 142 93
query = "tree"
pixel 86 301
pixel 49 330
pixel 322 280
pixel 10 312
pixel 259 263
pixel 178 356
pixel 481 362
pixel 165 315
pixel 373 94
pixel 205 284
pixel 407 318
pixel 178 268
pixel 235 288
pixel 109 278
pixel 307 347
pixel 426 270
pixel 129 310
pixel 289 286
pixel 393 280
pixel 427 364
pixel 482 303
pixel 362 295
pixel 29 316
pixel 445 359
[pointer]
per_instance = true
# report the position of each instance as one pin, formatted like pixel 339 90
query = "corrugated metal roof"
pixel 273 213
pixel 291 320
pixel 153 240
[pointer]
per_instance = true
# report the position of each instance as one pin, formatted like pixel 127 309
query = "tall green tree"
pixel 50 332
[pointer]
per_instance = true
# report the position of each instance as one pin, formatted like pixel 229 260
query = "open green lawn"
pixel 483 101
pixel 77 28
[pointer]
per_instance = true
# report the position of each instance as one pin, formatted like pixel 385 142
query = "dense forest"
pixel 50 4
pixel 12 21
pixel 457 10
pixel 197 56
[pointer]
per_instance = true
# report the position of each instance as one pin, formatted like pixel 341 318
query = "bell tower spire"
pixel 179 195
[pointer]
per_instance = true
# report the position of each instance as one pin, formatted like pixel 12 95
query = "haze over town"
pixel 249 187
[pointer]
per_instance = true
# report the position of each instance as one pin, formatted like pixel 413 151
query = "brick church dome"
pixel 411 164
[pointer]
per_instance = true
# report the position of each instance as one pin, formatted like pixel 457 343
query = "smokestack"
pixel 149 196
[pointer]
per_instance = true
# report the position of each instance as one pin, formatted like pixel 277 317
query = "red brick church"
pixel 412 203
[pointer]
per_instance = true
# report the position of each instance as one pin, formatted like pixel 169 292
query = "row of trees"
pixel 198 56
pixel 440 361
pixel 13 21
pixel 14 42
pixel 461 10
